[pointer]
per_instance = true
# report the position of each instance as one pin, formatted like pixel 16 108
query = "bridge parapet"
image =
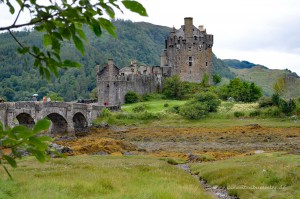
pixel 65 116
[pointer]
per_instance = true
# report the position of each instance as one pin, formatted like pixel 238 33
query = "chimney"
pixel 188 27
pixel 110 64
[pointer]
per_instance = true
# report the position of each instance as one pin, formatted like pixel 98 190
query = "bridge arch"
pixel 80 122
pixel 25 119
pixel 59 123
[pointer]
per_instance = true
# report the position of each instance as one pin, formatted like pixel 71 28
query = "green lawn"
pixel 155 106
pixel 99 177
pixel 269 175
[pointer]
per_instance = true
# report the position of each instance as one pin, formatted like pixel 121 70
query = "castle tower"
pixel 188 52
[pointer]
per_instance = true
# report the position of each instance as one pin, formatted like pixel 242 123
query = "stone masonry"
pixel 187 53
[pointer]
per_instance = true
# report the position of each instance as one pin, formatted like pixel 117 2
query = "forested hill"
pixel 141 41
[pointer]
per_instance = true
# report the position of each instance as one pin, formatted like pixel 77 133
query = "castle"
pixel 187 53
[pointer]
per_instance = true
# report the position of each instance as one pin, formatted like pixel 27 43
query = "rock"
pixel 192 157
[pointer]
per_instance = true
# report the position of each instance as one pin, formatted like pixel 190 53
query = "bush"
pixel 265 102
pixel 153 96
pixel 255 113
pixel 287 107
pixel 272 112
pixel 194 110
pixel 105 112
pixel 139 108
pixel 166 105
pixel 175 109
pixel 210 99
pixel 238 114
pixel 131 97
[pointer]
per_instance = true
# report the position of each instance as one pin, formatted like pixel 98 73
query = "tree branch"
pixel 19 13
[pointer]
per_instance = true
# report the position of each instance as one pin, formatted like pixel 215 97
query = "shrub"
pixel 210 99
pixel 175 109
pixel 105 112
pixel 166 105
pixel 194 110
pixel 139 108
pixel 152 96
pixel 131 97
pixel 287 107
pixel 255 113
pixel 239 114
pixel 265 102
pixel 272 112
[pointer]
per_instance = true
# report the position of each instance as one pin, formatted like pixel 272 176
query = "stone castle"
pixel 187 53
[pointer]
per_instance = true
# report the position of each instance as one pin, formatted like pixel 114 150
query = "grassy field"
pixel 158 114
pixel 269 175
pixel 99 177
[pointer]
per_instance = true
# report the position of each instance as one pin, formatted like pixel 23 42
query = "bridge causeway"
pixel 66 117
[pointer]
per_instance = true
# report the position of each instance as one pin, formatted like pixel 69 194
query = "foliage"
pixel 105 112
pixel 238 114
pixel 174 87
pixel 200 106
pixel 194 110
pixel 265 102
pixel 217 79
pixel 139 108
pixel 94 94
pixel 20 138
pixel 131 97
pixel 54 97
pixel 210 99
pixel 278 86
pixel 153 96
pixel 205 80
pixel 241 91
pixel 255 113
pixel 287 107
pixel 63 21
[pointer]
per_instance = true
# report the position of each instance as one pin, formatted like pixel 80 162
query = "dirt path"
pixel 215 191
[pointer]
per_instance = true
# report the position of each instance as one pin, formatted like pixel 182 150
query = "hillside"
pixel 266 78
pixel 141 41
pixel 234 63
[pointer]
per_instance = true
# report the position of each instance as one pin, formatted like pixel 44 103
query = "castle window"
pixel 206 64
pixel 195 37
pixel 190 61
pixel 190 48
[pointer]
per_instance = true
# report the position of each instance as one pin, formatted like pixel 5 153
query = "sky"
pixel 265 32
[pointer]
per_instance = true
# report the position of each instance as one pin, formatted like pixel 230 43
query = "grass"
pixel 156 106
pixel 269 175
pixel 99 177
pixel 157 114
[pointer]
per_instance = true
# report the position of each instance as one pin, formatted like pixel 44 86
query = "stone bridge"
pixel 66 117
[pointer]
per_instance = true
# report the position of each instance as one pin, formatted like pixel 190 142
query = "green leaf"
pixel 21 131
pixel 65 32
pixel 47 40
pixel 107 25
pixel 96 27
pixel 70 63
pixel 41 125
pixel 81 34
pixel 38 145
pixel 10 161
pixel 11 8
pixel 135 6
pixel 45 138
pixel 40 156
pixel 23 50
pixel 78 43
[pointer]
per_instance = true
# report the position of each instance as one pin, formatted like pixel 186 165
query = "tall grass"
pixel 99 177
pixel 271 175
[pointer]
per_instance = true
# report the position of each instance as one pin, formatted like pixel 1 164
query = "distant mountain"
pixel 265 78
pixel 234 63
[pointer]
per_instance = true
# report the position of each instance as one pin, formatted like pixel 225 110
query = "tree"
pixel 174 87
pixel 20 138
pixel 9 94
pixel 217 79
pixel 63 21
